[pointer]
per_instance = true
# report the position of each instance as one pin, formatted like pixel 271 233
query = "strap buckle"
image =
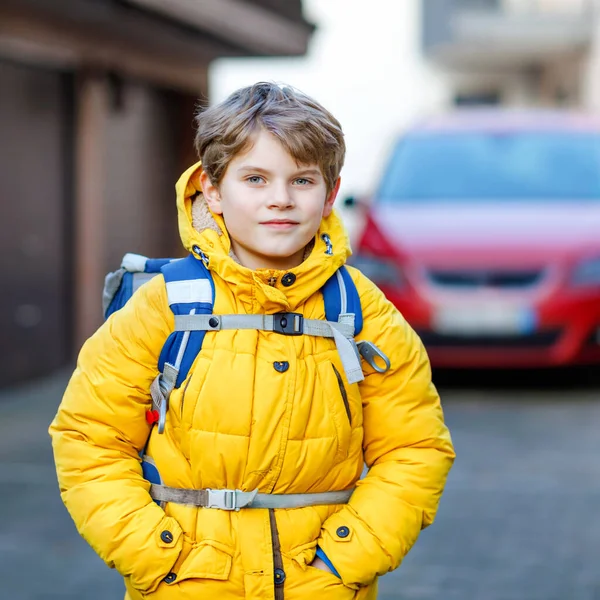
pixel 288 323
pixel 223 499
pixel 370 352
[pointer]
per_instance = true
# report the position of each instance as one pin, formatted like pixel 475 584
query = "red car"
pixel 485 233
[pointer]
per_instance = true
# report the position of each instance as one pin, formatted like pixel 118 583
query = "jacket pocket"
pixel 208 559
pixel 339 412
pixel 344 394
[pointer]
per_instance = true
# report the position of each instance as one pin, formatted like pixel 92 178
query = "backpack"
pixel 191 294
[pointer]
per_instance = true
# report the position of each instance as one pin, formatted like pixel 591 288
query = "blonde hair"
pixel 310 133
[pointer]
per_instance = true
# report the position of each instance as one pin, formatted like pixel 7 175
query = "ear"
pixel 331 198
pixel 211 194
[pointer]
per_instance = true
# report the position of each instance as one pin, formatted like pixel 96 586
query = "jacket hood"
pixel 198 226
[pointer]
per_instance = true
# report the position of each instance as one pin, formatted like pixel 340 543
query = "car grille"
pixel 495 279
pixel 540 339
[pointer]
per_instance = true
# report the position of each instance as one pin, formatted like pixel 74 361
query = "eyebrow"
pixel 308 171
pixel 251 168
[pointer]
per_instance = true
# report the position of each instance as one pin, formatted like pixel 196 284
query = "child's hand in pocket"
pixel 319 564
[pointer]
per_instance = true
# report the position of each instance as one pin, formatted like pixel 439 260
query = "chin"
pixel 280 254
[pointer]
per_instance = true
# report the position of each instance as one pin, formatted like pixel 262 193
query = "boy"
pixel 258 410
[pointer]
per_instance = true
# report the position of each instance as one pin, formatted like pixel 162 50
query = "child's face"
pixel 272 207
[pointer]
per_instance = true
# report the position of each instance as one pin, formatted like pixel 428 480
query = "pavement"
pixel 519 520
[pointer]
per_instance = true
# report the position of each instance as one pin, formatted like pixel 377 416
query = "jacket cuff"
pixel 345 538
pixel 320 554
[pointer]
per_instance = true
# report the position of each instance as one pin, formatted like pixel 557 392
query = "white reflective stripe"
pixel 134 263
pixel 343 293
pixel 194 290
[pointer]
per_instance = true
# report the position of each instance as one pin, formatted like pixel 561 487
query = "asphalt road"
pixel 520 518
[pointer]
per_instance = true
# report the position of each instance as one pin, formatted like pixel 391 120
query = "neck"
pixel 256 262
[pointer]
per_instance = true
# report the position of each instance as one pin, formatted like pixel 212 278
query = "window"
pixel 480 167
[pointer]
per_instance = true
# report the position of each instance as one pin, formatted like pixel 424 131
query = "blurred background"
pixel 471 191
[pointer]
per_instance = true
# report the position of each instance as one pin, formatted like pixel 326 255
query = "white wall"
pixel 365 65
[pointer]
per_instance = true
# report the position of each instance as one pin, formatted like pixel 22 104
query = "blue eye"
pixel 303 181
pixel 254 179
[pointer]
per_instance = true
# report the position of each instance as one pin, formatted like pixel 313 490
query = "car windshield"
pixel 480 167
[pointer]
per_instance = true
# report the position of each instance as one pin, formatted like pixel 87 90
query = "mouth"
pixel 280 223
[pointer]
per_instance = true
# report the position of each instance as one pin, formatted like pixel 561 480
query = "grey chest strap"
pixel 342 332
pixel 236 499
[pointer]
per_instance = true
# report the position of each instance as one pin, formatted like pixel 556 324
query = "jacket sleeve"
pixel 98 432
pixel 407 448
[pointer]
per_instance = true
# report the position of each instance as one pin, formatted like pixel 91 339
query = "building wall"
pixel 140 142
pixel 35 203
pixel 144 157
pixel 133 142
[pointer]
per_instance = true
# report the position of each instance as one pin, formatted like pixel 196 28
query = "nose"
pixel 281 197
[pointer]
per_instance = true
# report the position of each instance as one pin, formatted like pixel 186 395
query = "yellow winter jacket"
pixel 239 422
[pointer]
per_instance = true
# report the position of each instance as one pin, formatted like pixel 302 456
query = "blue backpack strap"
pixel 341 297
pixel 154 265
pixel 150 471
pixel 191 290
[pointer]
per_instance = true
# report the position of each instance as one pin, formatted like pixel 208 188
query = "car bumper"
pixel 566 332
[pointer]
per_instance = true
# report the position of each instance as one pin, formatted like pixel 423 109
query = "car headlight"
pixel 381 271
pixel 587 273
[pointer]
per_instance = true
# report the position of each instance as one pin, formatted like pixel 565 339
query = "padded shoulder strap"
pixel 191 291
pixel 341 297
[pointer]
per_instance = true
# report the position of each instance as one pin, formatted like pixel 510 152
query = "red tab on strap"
pixel 152 416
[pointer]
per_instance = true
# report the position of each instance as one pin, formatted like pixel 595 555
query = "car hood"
pixel 515 231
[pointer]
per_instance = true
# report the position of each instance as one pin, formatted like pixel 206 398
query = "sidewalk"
pixel 517 520
pixel 41 554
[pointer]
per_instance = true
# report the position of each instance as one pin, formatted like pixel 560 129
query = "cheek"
pixel 322 209
pixel 235 218
pixel 237 215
